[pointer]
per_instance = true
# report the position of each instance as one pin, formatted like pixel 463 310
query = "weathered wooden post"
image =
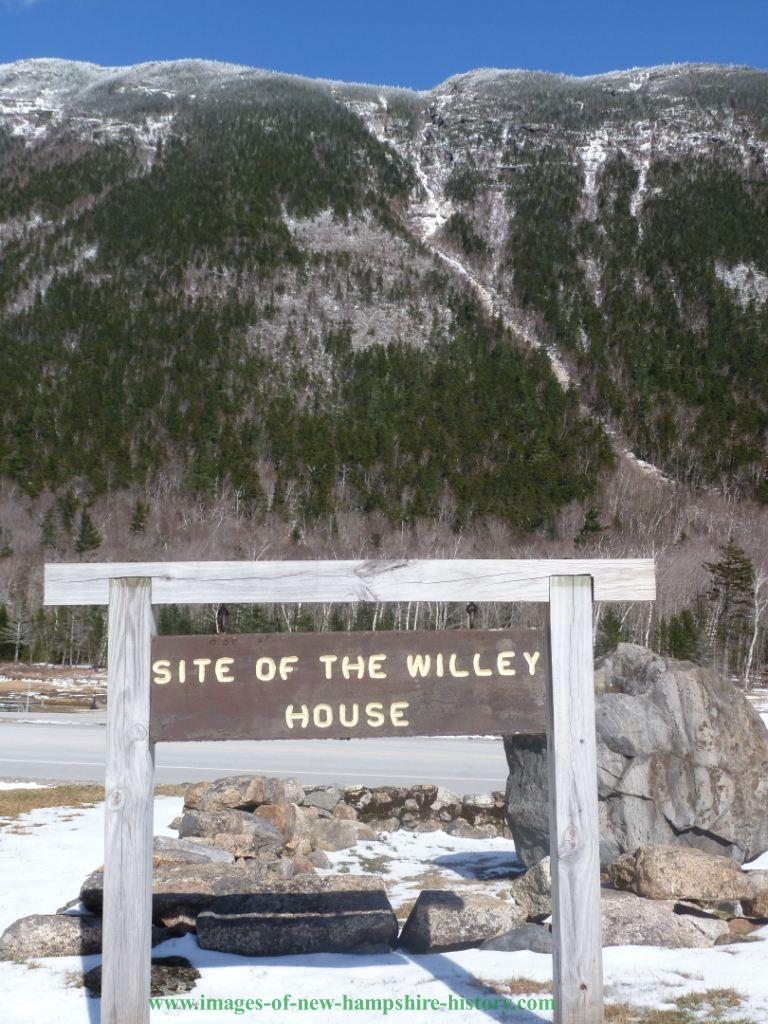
pixel 574 836
pixel 128 795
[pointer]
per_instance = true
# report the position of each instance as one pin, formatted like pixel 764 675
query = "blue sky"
pixel 400 42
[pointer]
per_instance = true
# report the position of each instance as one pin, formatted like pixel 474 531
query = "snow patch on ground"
pixel 433 210
pixel 23 785
pixel 48 853
pixel 403 859
pixel 593 157
pixel 642 164
pixel 749 283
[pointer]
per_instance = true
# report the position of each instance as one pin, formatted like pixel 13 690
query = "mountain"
pixel 245 312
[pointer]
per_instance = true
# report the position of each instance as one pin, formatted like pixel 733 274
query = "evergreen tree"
pixel 175 620
pixel 48 530
pixel 731 591
pixel 140 517
pixel 6 651
pixel 66 505
pixel 610 633
pixel 591 527
pixel 17 634
pixel 88 537
pixel 678 636
pixel 684 636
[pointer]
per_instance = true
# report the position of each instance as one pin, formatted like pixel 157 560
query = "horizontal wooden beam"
pixel 480 579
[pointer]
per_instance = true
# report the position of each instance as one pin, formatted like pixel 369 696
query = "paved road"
pixel 72 748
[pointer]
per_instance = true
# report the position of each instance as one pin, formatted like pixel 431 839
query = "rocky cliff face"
pixel 682 758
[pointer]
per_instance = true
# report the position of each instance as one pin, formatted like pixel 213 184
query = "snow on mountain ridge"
pixel 66 78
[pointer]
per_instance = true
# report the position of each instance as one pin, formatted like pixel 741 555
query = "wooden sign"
pixel 343 685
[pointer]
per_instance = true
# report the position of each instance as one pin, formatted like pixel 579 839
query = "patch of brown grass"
pixel 522 987
pixel 171 789
pixel 623 1013
pixel 15 802
pixel 402 912
pixel 377 865
pixel 691 1008
pixel 717 1000
pixel 432 878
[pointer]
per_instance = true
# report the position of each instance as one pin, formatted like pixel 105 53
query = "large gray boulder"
pixel 211 824
pixel 325 798
pixel 534 937
pixel 444 920
pixel 533 891
pixel 629 920
pixel 41 935
pixel 757 904
pixel 339 834
pixel 304 915
pixel 170 975
pixel 682 759
pixel 167 850
pixel 242 792
pixel 676 872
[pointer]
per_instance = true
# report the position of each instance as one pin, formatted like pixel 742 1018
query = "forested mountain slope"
pixel 241 312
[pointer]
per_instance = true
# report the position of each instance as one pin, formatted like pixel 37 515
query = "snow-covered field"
pixel 46 854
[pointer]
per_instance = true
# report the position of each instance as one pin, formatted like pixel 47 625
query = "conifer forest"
pixel 246 315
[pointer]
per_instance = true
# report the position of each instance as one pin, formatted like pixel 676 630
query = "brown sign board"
pixel 348 685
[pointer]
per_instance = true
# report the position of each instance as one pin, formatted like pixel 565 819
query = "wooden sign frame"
pixel 568 585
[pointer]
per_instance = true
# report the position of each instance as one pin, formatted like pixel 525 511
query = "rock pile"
pixel 427 808
pixel 670 895
pixel 682 759
pixel 227 813
pixel 242 878
pixel 271 821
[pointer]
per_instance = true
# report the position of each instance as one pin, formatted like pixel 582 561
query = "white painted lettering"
pixel 265 669
pixel 457 673
pixel 301 716
pixel 286 665
pixel 374 714
pixel 328 660
pixel 202 664
pixel 343 716
pixel 396 711
pixel 503 666
pixel 322 715
pixel 221 669
pixel 531 659
pixel 162 670
pixel 476 666
pixel 375 670
pixel 418 664
pixel 348 665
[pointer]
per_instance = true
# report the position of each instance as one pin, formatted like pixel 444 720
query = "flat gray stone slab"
pixel 306 914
